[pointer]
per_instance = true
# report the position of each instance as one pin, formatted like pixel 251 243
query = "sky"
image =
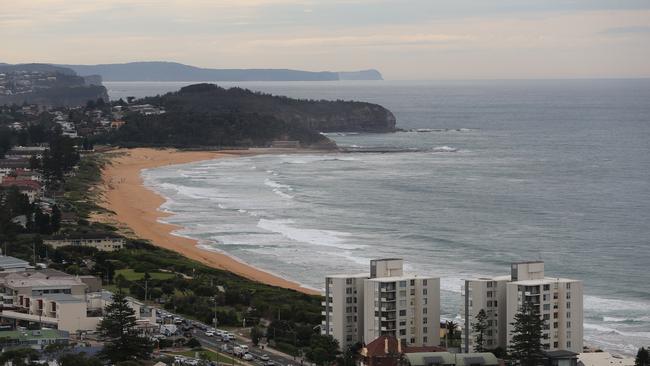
pixel 404 39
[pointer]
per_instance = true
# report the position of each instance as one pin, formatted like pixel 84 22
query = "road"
pixel 214 342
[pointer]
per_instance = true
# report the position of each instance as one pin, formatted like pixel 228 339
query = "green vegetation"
pixel 479 327
pixel 117 328
pixel 526 345
pixel 206 354
pixel 207 115
pixel 130 274
pixel 642 357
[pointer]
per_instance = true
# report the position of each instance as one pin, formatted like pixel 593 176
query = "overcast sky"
pixel 404 39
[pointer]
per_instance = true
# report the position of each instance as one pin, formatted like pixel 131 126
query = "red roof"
pixel 378 347
pixel 21 183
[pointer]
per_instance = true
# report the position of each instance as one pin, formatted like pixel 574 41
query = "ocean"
pixel 554 170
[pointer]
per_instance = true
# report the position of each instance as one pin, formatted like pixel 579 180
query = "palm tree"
pixel 451 327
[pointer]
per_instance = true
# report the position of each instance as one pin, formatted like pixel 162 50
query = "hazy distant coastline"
pixel 173 71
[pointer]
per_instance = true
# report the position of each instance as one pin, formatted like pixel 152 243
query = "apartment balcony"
pixel 325 313
pixel 29 317
pixel 323 303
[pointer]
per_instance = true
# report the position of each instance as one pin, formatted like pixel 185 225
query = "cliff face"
pixel 361 117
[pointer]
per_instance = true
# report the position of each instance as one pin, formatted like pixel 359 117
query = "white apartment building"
pixel 57 300
pixel 363 307
pixel 101 243
pixel 559 301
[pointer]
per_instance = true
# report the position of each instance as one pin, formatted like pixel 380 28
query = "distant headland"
pixel 173 71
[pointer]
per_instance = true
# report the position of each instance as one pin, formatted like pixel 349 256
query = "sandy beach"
pixel 136 208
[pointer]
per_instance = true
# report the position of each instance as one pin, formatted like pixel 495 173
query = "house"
pixel 603 359
pixel 31 188
pixel 560 358
pixel 60 301
pixel 104 243
pixel 36 339
pixel 388 351
pixel 451 359
pixel 7 166
pixel 11 264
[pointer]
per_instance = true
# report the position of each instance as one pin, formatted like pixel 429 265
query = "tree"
pixel 193 343
pixel 323 350
pixel 121 281
pixel 256 334
pixel 526 344
pixel 478 328
pixel 79 359
pixel 55 219
pixel 451 327
pixel 122 343
pixel 642 358
pixel 19 357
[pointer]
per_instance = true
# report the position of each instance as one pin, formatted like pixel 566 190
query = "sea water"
pixel 505 171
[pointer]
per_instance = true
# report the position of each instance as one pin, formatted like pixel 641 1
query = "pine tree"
pixel 122 343
pixel 55 219
pixel 478 328
pixel 642 358
pixel 526 344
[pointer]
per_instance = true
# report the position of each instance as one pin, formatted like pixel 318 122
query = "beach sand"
pixel 136 211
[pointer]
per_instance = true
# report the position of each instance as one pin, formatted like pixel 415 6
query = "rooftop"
pixel 7 262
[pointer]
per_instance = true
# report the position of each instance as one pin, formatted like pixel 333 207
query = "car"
pixel 269 363
pixel 264 357
pixel 209 333
pixel 247 357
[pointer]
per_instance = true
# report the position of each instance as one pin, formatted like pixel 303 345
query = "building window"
pixel 568 315
pixel 489 284
pixel 348 281
pixel 424 291
pixel 402 332
pixel 568 305
pixel 568 295
pixel 402 313
pixel 568 344
pixel 425 339
pixel 568 324
pixel 425 330
pixel 348 290
pixel 547 307
pixel 547 287
pixel 555 345
pixel 424 310
pixel 489 303
pixel 424 320
pixel 568 286
pixel 489 294
pixel 424 282
pixel 412 282
pixel 402 283
pixel 412 340
pixel 495 303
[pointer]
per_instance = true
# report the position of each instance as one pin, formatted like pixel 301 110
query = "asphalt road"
pixel 214 342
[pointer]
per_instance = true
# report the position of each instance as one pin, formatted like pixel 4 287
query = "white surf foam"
pixel 318 237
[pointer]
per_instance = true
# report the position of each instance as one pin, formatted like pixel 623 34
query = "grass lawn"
pixel 132 275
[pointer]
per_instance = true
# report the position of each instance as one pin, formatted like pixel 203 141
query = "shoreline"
pixel 135 208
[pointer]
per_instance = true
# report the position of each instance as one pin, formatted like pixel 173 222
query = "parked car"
pixel 248 357
pixel 209 333
pixel 264 357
